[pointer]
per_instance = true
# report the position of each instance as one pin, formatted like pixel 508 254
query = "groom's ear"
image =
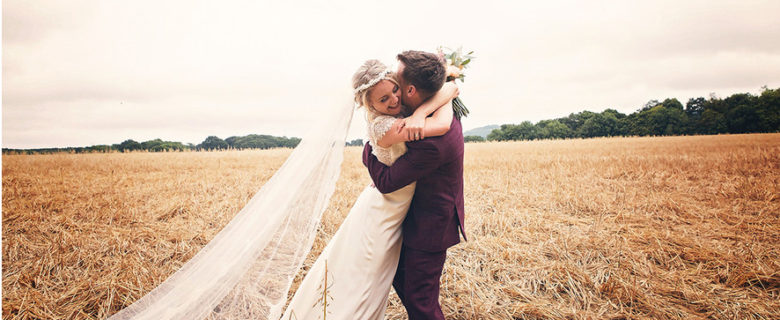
pixel 410 90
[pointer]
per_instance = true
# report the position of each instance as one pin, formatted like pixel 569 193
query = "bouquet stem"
pixel 459 108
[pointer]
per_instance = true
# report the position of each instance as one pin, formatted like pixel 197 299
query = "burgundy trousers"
pixel 417 282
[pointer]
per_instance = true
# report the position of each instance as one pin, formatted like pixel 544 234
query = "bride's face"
pixel 385 97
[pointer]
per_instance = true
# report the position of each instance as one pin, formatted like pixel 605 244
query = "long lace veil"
pixel 247 269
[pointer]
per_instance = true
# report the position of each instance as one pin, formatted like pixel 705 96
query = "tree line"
pixel 252 141
pixel 738 113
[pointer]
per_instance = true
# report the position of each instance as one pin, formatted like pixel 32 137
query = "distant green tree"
pixel 261 141
pixel 619 128
pixel 99 148
pixel 498 134
pixel 152 145
pixel 213 143
pixel 473 139
pixel 695 106
pixel 158 145
pixel 672 103
pixel 231 141
pixel 666 121
pixel 556 130
pixel 741 114
pixel 525 131
pixel 649 105
pixel 658 120
pixel 694 109
pixel 743 119
pixel 712 122
pixel 575 120
pixel 599 125
pixel 129 145
pixel 614 113
pixel 768 109
pixel 292 142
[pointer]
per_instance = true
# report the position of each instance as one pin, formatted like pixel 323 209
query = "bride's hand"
pixel 451 89
pixel 413 128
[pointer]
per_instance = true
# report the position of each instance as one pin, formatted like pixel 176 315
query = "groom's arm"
pixel 420 159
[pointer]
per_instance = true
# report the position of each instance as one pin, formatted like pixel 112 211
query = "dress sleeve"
pixel 380 126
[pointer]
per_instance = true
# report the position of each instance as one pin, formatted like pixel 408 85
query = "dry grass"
pixel 84 235
pixel 677 227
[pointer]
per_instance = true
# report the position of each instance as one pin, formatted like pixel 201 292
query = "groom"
pixel 435 217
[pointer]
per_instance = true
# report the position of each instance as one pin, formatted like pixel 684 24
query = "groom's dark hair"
pixel 424 70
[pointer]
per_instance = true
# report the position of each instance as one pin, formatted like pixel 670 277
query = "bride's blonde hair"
pixel 369 74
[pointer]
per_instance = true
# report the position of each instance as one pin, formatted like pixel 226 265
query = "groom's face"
pixel 402 82
pixel 409 95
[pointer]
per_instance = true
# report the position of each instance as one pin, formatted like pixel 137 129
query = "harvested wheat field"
pixel 671 227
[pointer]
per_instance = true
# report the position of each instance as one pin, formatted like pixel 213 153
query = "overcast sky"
pixel 79 73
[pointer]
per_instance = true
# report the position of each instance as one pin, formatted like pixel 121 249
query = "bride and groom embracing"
pixel 399 229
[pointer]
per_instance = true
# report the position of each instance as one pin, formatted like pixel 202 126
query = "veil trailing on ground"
pixel 247 269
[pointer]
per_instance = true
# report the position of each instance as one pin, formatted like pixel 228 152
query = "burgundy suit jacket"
pixel 436 215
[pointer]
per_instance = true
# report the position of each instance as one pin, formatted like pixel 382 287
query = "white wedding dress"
pixel 351 278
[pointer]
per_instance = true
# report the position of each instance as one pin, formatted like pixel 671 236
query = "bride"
pixel 351 278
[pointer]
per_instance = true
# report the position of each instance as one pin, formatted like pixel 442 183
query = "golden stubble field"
pixel 671 227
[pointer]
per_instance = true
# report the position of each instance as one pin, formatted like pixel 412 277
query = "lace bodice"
pixel 377 128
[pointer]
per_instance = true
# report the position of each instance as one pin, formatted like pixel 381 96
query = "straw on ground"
pixel 673 227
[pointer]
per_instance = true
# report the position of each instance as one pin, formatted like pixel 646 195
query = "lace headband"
pixel 373 81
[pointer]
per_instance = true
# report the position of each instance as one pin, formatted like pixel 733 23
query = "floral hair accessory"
pixel 373 81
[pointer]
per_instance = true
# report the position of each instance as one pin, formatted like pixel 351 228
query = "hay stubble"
pixel 674 227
